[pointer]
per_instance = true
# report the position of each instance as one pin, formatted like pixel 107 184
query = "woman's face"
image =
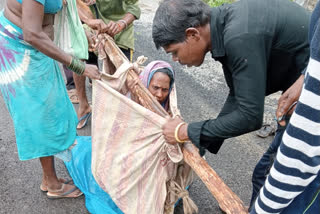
pixel 159 86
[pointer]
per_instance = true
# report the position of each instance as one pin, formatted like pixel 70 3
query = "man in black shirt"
pixel 262 46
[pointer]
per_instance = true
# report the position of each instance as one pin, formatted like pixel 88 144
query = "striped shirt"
pixel 297 162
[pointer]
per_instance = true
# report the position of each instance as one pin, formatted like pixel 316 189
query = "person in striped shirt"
pixel 293 185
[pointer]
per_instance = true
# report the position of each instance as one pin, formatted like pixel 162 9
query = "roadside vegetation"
pixel 216 3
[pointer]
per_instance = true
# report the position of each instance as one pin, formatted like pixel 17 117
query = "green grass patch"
pixel 216 3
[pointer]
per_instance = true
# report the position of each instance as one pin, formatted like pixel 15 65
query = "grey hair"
pixel 173 17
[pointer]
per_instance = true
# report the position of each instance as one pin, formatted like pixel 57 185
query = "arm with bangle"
pixel 125 22
pixel 132 12
pixel 31 23
pixel 181 132
pixel 175 131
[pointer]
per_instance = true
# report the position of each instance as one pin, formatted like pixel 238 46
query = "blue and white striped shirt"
pixel 297 162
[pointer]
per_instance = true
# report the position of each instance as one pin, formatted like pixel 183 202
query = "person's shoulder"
pixel 242 39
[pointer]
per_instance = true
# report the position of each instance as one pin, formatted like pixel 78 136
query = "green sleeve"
pixel 133 8
pixel 245 73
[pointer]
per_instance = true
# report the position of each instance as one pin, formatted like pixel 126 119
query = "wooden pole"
pixel 228 201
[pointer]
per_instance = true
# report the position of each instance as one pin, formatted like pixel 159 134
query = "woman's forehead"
pixel 160 76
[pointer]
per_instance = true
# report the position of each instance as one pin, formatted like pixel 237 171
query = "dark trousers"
pixel 69 77
pixel 264 165
pixel 307 202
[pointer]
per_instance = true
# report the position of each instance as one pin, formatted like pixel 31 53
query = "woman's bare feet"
pixel 56 187
pixel 44 184
pixel 66 190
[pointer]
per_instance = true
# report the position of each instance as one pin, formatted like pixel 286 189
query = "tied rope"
pixel 189 207
pixel 137 65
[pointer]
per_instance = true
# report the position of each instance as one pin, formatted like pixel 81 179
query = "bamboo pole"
pixel 228 201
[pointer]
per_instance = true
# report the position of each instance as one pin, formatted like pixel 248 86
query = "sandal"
pixel 57 194
pixel 85 120
pixel 265 131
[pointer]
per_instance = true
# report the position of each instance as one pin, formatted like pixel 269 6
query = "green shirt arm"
pixel 245 74
pixel 133 8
